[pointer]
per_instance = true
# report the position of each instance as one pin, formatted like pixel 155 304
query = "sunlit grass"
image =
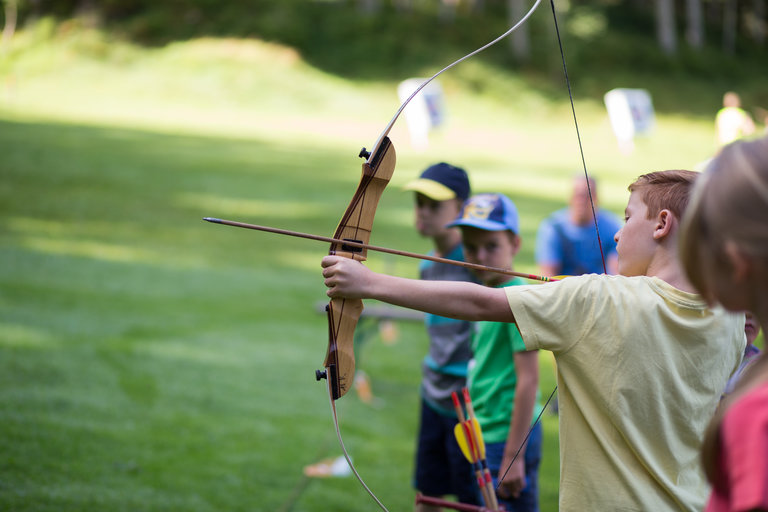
pixel 23 336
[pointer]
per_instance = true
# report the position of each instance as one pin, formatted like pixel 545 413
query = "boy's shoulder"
pixel 631 290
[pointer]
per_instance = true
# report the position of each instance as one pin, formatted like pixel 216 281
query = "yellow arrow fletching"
pixel 461 438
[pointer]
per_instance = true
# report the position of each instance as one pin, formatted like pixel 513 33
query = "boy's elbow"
pixel 475 315
pixel 530 383
pixel 468 312
pixel 492 309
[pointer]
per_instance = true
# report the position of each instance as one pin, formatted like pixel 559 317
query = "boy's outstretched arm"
pixel 347 278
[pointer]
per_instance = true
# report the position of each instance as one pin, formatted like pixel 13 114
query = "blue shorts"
pixel 441 468
pixel 528 501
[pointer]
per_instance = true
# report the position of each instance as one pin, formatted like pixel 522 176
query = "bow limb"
pixel 355 226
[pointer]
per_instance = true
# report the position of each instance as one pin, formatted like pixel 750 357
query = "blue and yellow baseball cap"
pixel 490 212
pixel 442 182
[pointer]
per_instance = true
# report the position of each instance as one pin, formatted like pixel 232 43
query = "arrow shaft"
pixel 360 245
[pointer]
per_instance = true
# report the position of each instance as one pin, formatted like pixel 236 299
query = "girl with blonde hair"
pixel 724 251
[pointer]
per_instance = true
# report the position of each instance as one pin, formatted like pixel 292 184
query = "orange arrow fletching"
pixel 478 435
pixel 474 425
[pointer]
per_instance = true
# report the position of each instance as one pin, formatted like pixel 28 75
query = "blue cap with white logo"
pixel 490 212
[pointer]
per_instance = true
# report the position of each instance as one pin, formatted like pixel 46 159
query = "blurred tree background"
pixel 608 40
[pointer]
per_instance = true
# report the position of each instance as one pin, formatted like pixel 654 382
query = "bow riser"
pixel 356 226
pixel 343 315
pixel 357 222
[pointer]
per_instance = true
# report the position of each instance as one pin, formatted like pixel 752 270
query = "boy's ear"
pixel 666 222
pixel 516 241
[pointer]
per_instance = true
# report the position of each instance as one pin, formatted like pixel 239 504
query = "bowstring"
pixel 346 454
pixel 594 217
pixel 578 136
pixel 527 435
pixel 446 68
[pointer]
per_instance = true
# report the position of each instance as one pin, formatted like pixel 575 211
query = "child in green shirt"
pixel 503 377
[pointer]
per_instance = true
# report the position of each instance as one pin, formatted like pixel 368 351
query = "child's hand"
pixel 346 278
pixel 514 480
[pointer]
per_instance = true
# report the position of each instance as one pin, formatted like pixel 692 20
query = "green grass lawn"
pixel 152 361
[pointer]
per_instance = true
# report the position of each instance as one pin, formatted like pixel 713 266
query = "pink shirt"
pixel 743 455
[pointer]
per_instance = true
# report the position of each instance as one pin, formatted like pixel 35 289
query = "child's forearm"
pixel 526 364
pixel 520 424
pixel 455 299
pixel 347 278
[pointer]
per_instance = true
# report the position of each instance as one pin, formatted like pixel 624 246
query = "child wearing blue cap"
pixel 642 359
pixel 441 469
pixel 503 377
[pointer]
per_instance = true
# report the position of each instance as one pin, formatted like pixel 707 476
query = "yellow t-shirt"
pixel 640 369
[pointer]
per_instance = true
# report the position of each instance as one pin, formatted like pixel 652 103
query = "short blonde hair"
pixel 729 203
pixel 665 190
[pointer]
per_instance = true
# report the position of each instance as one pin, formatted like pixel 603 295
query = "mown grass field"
pixel 150 361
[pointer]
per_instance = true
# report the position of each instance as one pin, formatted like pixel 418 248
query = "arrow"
pixel 478 433
pixel 357 246
pixel 468 444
